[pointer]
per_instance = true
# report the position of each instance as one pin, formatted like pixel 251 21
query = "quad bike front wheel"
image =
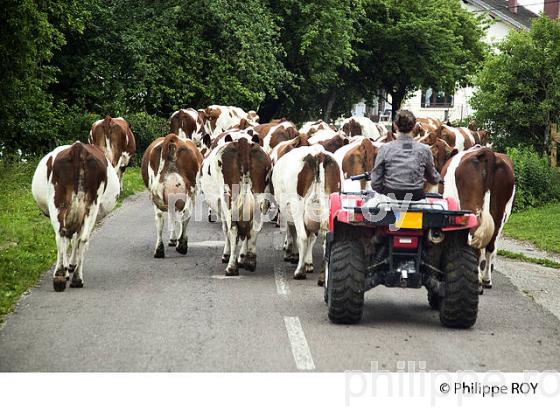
pixel 459 307
pixel 346 281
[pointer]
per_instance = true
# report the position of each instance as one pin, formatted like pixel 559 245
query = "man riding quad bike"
pixel 398 236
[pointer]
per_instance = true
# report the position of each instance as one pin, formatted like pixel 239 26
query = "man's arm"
pixel 430 172
pixel 378 172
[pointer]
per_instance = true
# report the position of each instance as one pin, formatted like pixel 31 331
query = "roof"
pixel 499 9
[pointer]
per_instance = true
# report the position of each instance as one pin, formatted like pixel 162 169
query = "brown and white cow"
pixel 219 118
pixel 311 127
pixel 356 158
pixel 232 178
pixel 303 179
pixel 275 132
pixel 334 143
pixel 481 137
pixel 484 182
pixel 75 185
pixel 116 140
pixel 364 126
pixel 461 138
pixel 169 169
pixel 286 146
pixel 188 124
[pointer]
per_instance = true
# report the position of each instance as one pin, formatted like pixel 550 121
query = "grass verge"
pixel 540 226
pixel 27 244
pixel 520 257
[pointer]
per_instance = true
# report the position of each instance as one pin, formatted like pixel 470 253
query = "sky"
pixel 535 6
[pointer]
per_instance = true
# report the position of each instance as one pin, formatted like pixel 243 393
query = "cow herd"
pixel 243 169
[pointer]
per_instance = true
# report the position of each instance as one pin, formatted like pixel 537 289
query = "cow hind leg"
pixel 81 244
pixel 232 269
pixel 302 243
pixel 183 245
pixel 309 254
pixel 486 277
pixel 250 262
pixel 159 252
pixel 227 246
pixel 243 253
pixel 59 274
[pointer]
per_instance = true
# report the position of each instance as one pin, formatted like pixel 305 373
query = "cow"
pixel 303 179
pixel 189 124
pixel 232 178
pixel 275 132
pixel 483 182
pixel 364 126
pixel 356 158
pixel 311 127
pixel 169 169
pixel 481 137
pixel 320 135
pixel 286 146
pixel 75 186
pixel 218 118
pixel 461 138
pixel 115 138
pixel 334 143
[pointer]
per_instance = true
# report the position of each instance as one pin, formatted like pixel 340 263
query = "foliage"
pixel 549 263
pixel 528 225
pixel 536 182
pixel 27 245
pixel 146 128
pixel 405 45
pixel 519 87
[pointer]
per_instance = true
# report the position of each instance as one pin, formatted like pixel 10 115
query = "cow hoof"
pixel 59 283
pixel 294 258
pixel 308 268
pixel 487 284
pixel 225 258
pixel 77 283
pixel 321 279
pixel 480 289
pixel 172 242
pixel 159 253
pixel 250 263
pixel 183 247
pixel 299 275
pixel 232 271
pixel 241 261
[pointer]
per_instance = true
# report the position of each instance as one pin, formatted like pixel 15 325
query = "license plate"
pixel 408 220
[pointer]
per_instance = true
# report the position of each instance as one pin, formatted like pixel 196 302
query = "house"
pixel 505 15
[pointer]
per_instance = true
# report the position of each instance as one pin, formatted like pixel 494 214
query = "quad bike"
pixel 400 244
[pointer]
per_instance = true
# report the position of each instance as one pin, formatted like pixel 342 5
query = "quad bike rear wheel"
pixel 346 281
pixel 459 307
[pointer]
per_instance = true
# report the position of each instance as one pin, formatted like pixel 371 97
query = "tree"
pixel 518 90
pixel 405 45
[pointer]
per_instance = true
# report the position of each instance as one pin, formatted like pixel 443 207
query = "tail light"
pixel 461 220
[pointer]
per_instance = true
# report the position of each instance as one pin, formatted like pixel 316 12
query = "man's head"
pixel 405 121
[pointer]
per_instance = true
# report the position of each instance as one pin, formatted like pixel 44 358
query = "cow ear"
pixel 453 152
pixel 243 124
pixel 256 139
pixel 345 141
pixel 228 138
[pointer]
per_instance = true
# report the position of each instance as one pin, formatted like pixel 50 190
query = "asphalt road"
pixel 137 313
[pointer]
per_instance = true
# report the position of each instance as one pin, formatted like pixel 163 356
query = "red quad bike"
pixel 429 248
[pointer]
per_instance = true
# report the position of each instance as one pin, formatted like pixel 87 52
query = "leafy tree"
pixel 518 90
pixel 405 45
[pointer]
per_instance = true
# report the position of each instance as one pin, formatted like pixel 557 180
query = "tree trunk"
pixel 330 103
pixel 397 97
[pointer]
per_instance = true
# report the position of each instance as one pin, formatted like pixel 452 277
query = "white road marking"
pixel 300 349
pixel 281 283
pixel 202 244
pixel 225 277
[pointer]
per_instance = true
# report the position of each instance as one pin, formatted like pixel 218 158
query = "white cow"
pixel 219 118
pixel 303 179
pixel 75 186
pixel 364 126
pixel 232 177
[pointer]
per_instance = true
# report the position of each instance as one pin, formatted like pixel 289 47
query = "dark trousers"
pixel 417 194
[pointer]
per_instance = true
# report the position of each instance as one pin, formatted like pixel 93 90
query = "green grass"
pixel 27 244
pixel 519 256
pixel 540 226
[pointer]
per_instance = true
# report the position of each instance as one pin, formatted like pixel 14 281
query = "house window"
pixel 435 99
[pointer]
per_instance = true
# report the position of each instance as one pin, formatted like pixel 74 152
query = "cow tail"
pixel 73 213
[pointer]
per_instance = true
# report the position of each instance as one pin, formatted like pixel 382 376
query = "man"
pixel 402 165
